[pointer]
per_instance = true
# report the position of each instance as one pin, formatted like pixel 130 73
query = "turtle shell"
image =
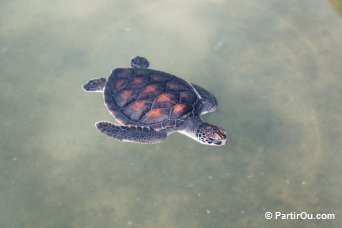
pixel 145 97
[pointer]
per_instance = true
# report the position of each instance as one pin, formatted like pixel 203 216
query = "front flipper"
pixel 208 100
pixel 135 134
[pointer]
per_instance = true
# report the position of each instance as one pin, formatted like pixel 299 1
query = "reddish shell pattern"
pixel 145 97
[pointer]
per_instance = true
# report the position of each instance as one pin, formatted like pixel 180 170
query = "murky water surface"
pixel 274 66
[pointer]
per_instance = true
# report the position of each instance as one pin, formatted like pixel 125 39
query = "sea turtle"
pixel 149 105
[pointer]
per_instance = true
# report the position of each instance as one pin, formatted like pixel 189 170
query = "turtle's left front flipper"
pixel 135 134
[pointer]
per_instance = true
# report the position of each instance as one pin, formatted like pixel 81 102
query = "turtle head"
pixel 211 135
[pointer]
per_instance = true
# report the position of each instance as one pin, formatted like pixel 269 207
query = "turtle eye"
pixel 222 132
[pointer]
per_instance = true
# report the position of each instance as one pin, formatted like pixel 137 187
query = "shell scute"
pixel 160 77
pixel 176 86
pixel 152 90
pixel 188 97
pixel 125 97
pixel 122 119
pixel 123 72
pixel 180 110
pixel 179 122
pixel 137 109
pixel 140 82
pixel 169 123
pixel 164 100
pixel 156 116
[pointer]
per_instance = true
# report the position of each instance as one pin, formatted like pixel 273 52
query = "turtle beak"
pixel 221 135
pixel 221 143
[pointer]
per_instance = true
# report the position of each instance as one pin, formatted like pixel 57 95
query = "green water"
pixel 274 66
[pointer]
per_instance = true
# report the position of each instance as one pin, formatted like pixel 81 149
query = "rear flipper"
pixel 134 134
pixel 95 85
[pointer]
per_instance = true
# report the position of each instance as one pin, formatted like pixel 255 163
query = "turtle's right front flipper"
pixel 95 85
pixel 135 134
